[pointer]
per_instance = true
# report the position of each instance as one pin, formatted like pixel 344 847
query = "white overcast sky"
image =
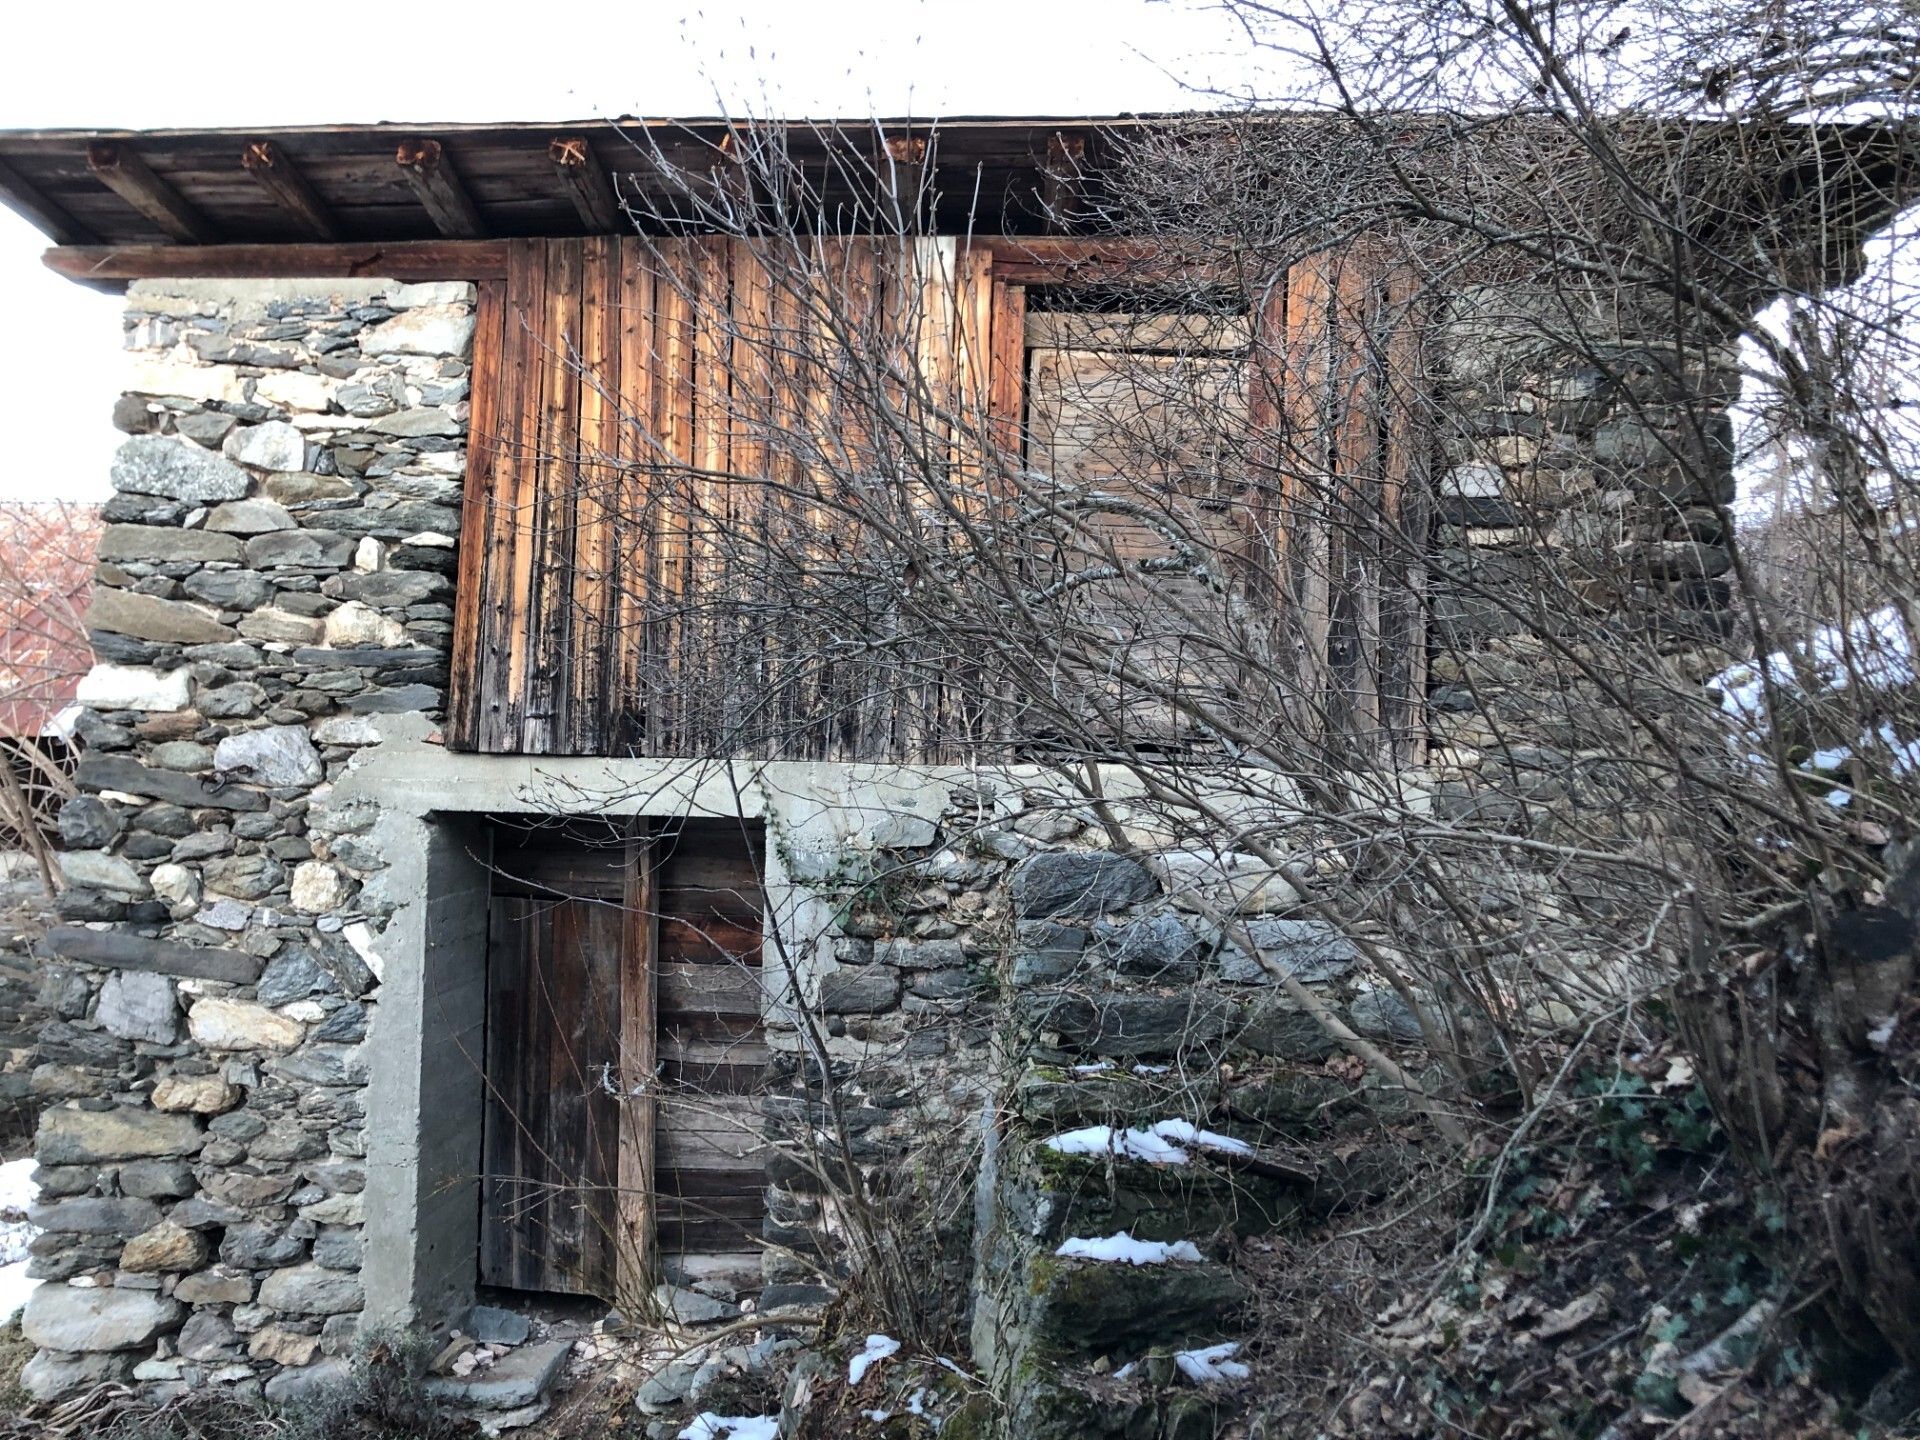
pixel 227 65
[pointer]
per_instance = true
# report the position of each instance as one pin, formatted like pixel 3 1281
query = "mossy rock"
pixel 1092 1307
pixel 1054 1098
pixel 1293 1104
pixel 1050 1404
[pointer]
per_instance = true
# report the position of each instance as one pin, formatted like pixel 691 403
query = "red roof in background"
pixel 46 578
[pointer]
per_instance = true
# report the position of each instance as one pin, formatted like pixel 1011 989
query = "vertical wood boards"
pixel 550 1153
pixel 644 395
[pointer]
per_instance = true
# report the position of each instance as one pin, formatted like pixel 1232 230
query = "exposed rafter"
pixel 121 170
pixel 586 184
pixel 40 212
pixel 281 178
pixel 1061 173
pixel 424 163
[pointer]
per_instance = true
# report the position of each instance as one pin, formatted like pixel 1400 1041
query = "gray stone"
pixel 47 1377
pixel 133 687
pixel 388 588
pixel 1157 947
pixel 305 549
pixel 207 1336
pixel 516 1379
pixel 88 823
pixel 862 991
pixel 292 975
pixel 160 465
pixel 1200 880
pixel 205 427
pixel 60 1317
pixel 147 617
pixel 100 870
pixel 308 1384
pixel 89 1137
pixel 245 877
pixel 1311 951
pixel 311 1290
pixel 690 1307
pixel 1127 1025
pixel 273 755
pixel 1382 1015
pixel 157 1179
pixel 188 756
pixel 233 702
pixel 138 1005
pixel 491 1325
pixel 120 1218
pixel 275 445
pixel 1081 884
pixel 166 544
pixel 256 1245
pixel 249 517
pixel 339 1247
pixel 394 700
pixel 272 623
pixel 419 422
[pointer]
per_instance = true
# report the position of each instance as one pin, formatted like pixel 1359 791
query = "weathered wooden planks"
pixel 675 424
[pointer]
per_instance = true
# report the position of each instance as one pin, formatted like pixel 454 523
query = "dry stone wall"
pixel 275 570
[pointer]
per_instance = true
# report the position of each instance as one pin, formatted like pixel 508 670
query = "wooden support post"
pixel 122 171
pixel 903 179
pixel 586 185
pixel 430 173
pixel 1060 174
pixel 25 199
pixel 281 178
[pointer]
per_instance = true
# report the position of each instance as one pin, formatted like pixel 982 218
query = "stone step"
pixel 1095 1307
pixel 516 1379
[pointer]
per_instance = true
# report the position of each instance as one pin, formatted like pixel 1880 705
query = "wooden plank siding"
pixel 672 411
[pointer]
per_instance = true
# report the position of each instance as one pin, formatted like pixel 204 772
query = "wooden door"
pixel 566 1171
pixel 625 1054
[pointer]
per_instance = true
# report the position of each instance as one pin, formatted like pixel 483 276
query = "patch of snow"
pixel 709 1426
pixel 1831 759
pixel 1125 1250
pixel 1127 1369
pixel 1127 1144
pixel 879 1417
pixel 1839 799
pixel 1151 1069
pixel 1094 1069
pixel 878 1348
pixel 1186 1134
pixel 1216 1362
pixel 17 1192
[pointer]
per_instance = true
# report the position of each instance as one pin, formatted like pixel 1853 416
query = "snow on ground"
pixel 17 1192
pixel 1216 1362
pixel 1124 1249
pixel 878 1348
pixel 1871 648
pixel 709 1426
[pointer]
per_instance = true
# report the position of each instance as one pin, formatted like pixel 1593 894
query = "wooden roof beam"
pixel 21 196
pixel 122 171
pixel 427 170
pixel 267 163
pixel 586 185
pixel 110 267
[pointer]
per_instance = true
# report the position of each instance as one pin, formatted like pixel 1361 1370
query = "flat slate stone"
pixel 124 950
pixel 164 543
pixel 121 772
pixel 148 617
pixel 515 1379
pixel 162 465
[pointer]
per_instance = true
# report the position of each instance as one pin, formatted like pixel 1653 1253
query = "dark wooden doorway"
pixel 624 1053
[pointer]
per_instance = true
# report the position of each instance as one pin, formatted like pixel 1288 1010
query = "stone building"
pixel 418 946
